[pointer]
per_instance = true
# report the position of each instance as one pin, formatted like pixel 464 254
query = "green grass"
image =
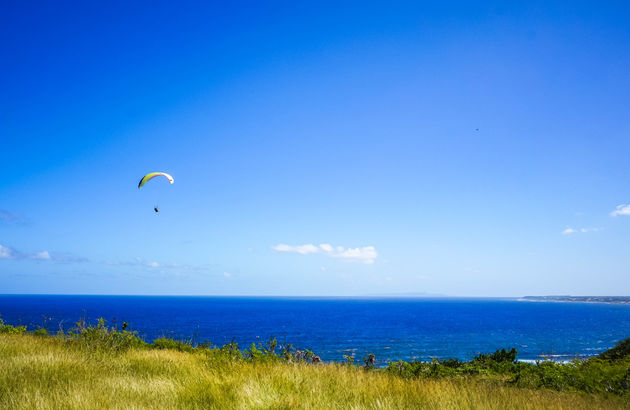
pixel 69 373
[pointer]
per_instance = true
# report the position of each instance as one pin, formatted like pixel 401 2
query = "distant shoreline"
pixel 614 300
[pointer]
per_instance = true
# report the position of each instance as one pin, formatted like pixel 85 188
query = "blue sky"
pixel 464 149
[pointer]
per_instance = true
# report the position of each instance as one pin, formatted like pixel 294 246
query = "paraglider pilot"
pixel 152 175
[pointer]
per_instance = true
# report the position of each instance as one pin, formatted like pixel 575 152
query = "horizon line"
pixel 387 296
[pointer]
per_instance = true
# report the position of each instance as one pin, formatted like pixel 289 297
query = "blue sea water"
pixel 392 329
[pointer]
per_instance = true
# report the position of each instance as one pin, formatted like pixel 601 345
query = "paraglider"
pixel 152 175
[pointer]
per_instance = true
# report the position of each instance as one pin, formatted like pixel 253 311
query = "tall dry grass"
pixel 48 373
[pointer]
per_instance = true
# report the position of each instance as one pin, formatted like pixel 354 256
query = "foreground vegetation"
pixel 99 366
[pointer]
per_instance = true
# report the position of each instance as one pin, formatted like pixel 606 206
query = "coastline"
pixel 609 300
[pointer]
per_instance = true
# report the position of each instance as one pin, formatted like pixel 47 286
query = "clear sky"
pixel 454 148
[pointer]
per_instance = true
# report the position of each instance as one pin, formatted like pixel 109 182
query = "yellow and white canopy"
pixel 152 175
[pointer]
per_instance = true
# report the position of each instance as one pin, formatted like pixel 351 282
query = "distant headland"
pixel 622 300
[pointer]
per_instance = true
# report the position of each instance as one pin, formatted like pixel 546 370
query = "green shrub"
pixel 102 337
pixel 164 343
pixel 595 375
pixel 40 332
pixel 369 361
pixel 500 356
pixel 620 351
pixel 14 330
pixel 253 353
pixel 228 352
pixel 453 363
pixel 266 352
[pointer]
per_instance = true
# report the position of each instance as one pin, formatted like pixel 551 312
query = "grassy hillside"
pixel 58 372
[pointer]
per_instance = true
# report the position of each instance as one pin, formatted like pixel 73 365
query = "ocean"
pixel 392 329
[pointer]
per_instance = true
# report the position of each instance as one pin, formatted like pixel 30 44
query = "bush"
pixel 40 332
pixel 591 376
pixel 99 336
pixel 369 361
pixel 8 329
pixel 620 351
pixel 164 343
pixel 453 363
pixel 595 375
pixel 229 352
pixel 254 354
pixel 500 356
pixel 267 351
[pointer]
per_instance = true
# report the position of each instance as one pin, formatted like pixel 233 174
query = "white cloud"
pixel 326 247
pixel 227 274
pixel 138 261
pixel 5 253
pixel 584 230
pixel 301 249
pixel 44 255
pixel 366 254
pixel 165 268
pixel 570 231
pixel 621 210
pixel 10 253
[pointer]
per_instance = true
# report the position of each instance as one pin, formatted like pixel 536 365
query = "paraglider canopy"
pixel 152 175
